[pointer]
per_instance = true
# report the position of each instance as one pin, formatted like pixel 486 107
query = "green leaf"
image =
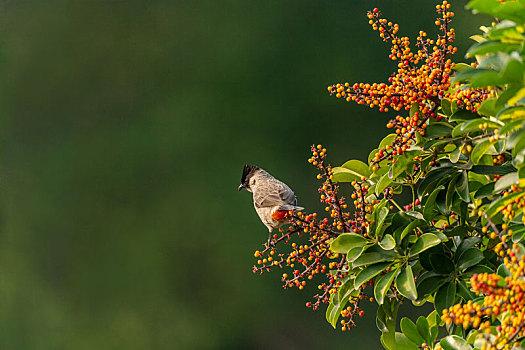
pixel 441 203
pixel 451 190
pixel 456 154
pixel 463 115
pixel 464 291
pixel 513 72
pixel 428 283
pixel 433 319
pixel 461 66
pixel 519 231
pixel 477 269
pixel 369 272
pixel 479 150
pixel 355 253
pixel 430 208
pixel 381 322
pixel 371 258
pixel 346 289
pixel 400 165
pixel 453 342
pixel 371 156
pixel 446 107
pixel 409 228
pixel 506 95
pixel 330 314
pixel 506 181
pixel 486 340
pixel 471 336
pixel 425 241
pixel 344 175
pixel 462 187
pixel 409 329
pixel 510 126
pixel 478 77
pixel 469 258
pixel 519 145
pixel 387 141
pixel 350 171
pixel 388 341
pixel 502 202
pixel 493 170
pixel 481 179
pixel 485 191
pixel 503 271
pixel 431 179
pixel 484 79
pixel 460 231
pixel 466 244
pixel 509 10
pixel 333 312
pixel 338 301
pixel 383 285
pixel 489 46
pixel 488 107
pixel 505 30
pixel 521 174
pixel 517 99
pixel 441 263
pixel 402 342
pixel 405 283
pixel 383 183
pixel 445 297
pixel 347 241
pixel 388 242
pixel 423 328
pixel 389 314
pixel 473 126
pixel 436 142
pixel 381 212
pixel 438 129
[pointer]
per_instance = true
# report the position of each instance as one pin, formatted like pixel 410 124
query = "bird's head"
pixel 247 172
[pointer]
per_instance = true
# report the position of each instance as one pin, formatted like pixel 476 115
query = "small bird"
pixel 272 199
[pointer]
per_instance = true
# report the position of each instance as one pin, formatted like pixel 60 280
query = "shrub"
pixel 457 149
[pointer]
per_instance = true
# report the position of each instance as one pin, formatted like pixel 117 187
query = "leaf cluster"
pixel 465 176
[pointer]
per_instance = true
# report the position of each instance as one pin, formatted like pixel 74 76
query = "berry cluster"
pixel 468 98
pixel 503 299
pixel 422 80
pixel 314 258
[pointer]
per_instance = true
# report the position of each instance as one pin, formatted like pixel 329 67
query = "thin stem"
pixel 395 203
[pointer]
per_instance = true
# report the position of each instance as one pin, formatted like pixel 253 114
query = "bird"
pixel 273 199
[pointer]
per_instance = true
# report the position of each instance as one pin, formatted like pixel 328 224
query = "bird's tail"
pixel 290 207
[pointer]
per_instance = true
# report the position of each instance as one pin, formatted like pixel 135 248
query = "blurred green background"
pixel 124 129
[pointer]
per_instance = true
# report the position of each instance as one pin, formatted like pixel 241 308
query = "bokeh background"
pixel 124 129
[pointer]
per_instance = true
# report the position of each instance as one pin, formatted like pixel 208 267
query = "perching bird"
pixel 272 198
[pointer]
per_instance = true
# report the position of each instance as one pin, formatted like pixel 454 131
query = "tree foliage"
pixel 457 153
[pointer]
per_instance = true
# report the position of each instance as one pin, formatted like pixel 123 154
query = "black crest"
pixel 247 172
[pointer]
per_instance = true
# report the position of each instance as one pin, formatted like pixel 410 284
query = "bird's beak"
pixel 241 187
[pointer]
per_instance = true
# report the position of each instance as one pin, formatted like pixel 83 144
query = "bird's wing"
pixel 273 193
